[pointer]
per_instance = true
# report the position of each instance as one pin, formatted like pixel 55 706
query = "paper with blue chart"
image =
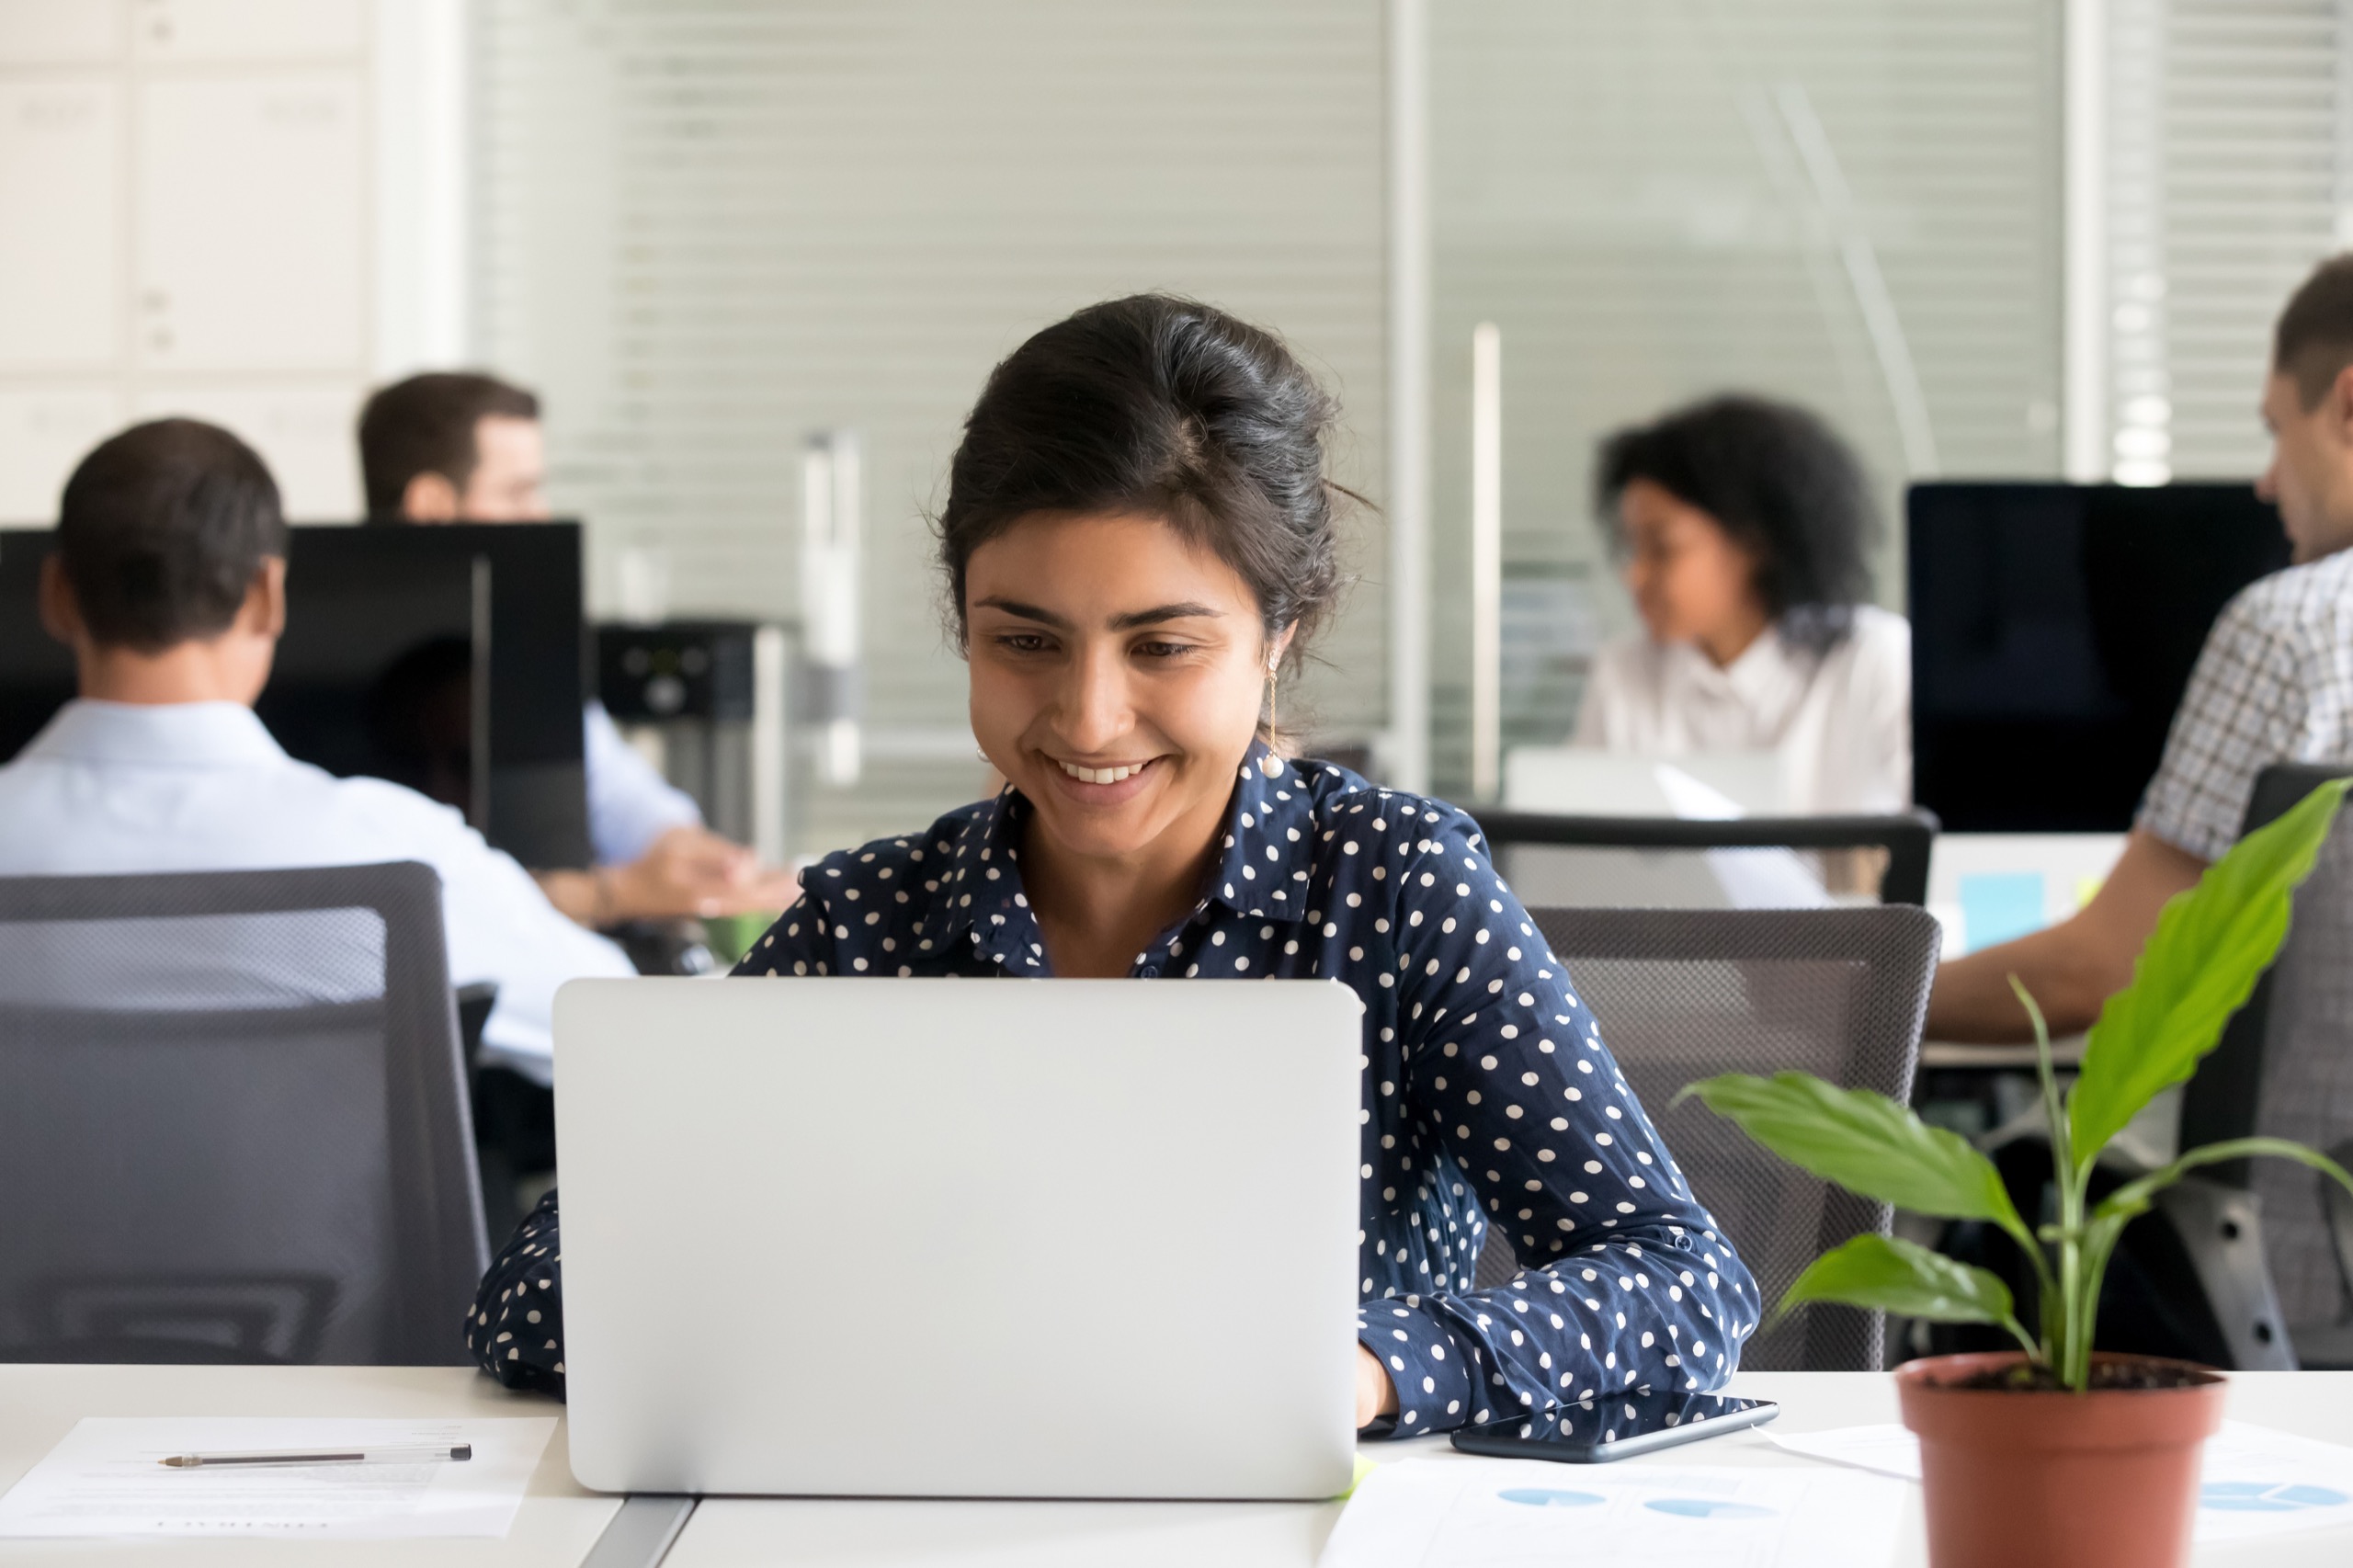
pixel 1484 1513
pixel 2256 1481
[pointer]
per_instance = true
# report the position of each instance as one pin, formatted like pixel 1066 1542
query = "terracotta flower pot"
pixel 2106 1479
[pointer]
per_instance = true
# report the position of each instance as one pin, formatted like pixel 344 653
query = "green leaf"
pixel 1865 1143
pixel 1897 1275
pixel 2133 1199
pixel 2210 946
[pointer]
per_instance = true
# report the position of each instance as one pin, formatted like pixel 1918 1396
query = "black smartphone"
pixel 1616 1426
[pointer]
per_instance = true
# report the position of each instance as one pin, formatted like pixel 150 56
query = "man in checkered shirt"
pixel 2273 684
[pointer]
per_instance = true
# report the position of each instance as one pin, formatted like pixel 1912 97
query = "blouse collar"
pixel 1264 871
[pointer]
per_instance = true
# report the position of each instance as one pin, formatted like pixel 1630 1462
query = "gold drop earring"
pixel 1267 764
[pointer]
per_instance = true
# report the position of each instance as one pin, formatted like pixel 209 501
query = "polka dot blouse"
pixel 1488 1096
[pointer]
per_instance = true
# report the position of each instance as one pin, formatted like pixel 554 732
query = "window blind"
pixel 1855 204
pixel 2225 124
pixel 707 229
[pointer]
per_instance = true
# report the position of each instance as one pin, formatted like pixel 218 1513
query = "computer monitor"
pixel 2053 629
pixel 393 637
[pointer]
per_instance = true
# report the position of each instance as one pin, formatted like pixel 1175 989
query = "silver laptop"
pixel 960 1238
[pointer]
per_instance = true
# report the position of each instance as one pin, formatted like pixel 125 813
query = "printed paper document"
pixel 1486 1513
pixel 107 1478
pixel 2254 1481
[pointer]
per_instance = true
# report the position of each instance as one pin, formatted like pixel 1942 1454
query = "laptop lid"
pixel 946 1238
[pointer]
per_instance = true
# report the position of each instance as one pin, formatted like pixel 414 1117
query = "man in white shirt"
pixel 168 581
pixel 2274 684
pixel 461 447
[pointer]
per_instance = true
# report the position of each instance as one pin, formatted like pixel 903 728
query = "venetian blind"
pixel 1855 204
pixel 708 228
pixel 2226 183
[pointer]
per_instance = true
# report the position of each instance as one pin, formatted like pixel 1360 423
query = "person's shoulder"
pixel 378 817
pixel 2295 595
pixel 2298 618
pixel 1635 657
pixel 1877 629
pixel 1338 797
pixel 393 807
pixel 907 862
pixel 32 798
pixel 26 772
pixel 1877 646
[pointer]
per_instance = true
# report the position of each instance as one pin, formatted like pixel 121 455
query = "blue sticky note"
pixel 1998 905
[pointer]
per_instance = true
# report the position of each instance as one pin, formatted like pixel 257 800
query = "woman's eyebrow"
pixel 1026 612
pixel 1186 610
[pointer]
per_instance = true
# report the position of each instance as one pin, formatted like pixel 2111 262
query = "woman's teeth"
pixel 1101 775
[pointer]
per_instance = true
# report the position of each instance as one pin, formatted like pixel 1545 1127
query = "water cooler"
pixel 706 702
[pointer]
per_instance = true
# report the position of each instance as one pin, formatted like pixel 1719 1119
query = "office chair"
pixel 1518 840
pixel 2285 1069
pixel 1684 995
pixel 2235 1252
pixel 232 1121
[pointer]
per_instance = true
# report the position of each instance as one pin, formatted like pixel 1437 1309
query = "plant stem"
pixel 2067 1330
pixel 2082 1306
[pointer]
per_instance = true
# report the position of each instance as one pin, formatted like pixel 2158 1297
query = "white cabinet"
pixel 251 192
pixel 191 222
pixel 249 30
pixel 302 427
pixel 59 32
pixel 44 431
pixel 61 243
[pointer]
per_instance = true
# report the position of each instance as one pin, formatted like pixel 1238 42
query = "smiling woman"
pixel 1138 538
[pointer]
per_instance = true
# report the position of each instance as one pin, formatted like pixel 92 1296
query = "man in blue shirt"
pixel 168 581
pixel 450 447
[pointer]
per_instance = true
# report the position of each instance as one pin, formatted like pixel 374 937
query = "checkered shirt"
pixel 2274 684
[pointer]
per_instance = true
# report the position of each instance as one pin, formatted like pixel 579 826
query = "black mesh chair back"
pixel 1676 862
pixel 233 1123
pixel 2285 1065
pixel 1685 995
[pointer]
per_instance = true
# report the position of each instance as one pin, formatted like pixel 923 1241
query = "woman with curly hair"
pixel 1743 526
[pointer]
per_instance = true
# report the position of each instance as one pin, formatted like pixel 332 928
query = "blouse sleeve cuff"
pixel 1432 1370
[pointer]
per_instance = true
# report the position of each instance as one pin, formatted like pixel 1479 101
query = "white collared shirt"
pixel 1841 721
pixel 114 788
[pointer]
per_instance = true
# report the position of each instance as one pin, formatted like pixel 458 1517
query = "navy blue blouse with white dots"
pixel 1488 1096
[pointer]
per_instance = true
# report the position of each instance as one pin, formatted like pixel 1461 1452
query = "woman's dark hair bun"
pixel 1167 408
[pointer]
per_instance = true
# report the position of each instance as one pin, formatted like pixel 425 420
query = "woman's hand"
pixel 1376 1395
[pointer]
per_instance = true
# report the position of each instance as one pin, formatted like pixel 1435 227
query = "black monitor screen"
pixel 378 671
pixel 2053 627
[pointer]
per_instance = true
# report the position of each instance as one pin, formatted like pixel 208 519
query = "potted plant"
pixel 2051 1453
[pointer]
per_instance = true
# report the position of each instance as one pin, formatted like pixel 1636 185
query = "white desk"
pixel 739 1533
pixel 555 1528
pixel 559 1524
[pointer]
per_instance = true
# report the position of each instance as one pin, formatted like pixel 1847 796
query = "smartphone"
pixel 1616 1426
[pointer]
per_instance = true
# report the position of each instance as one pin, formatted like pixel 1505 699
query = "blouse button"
pixel 1149 972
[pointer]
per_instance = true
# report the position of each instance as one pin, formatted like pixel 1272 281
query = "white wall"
pixel 205 215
